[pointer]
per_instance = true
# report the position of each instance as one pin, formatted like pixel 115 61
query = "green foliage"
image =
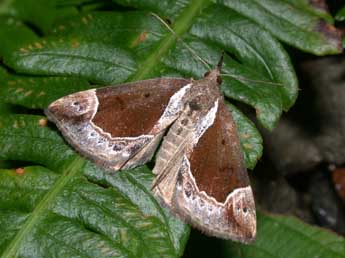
pixel 61 205
pixel 48 214
pixel 287 237
pixel 296 22
pixel 340 16
pixel 74 205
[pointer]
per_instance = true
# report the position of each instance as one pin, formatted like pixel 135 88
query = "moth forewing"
pixel 223 199
pixel 200 169
pixel 119 126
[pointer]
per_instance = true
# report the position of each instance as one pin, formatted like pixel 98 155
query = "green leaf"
pixel 67 52
pixel 37 92
pixel 40 13
pixel 288 237
pixel 68 208
pixel 250 138
pixel 295 22
pixel 27 138
pixel 13 34
pixel 340 16
pixel 114 47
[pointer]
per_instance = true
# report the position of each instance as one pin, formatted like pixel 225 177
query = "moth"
pixel 199 169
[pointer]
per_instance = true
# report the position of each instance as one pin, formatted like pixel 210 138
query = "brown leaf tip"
pixel 319 4
pixel 331 33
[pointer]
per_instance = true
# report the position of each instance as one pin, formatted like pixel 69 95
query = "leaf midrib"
pixel 181 26
pixel 71 170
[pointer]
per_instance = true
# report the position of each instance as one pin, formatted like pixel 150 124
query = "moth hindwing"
pixel 200 173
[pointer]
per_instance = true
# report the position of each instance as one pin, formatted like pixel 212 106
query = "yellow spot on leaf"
pixel 248 146
pixel 23 50
pixel 15 124
pixel 99 245
pixel 106 250
pixel 30 47
pixel 20 171
pixel 19 90
pixel 61 27
pixel 11 82
pixel 42 93
pixel 38 45
pixel 140 39
pixel 245 135
pixel 42 122
pixel 84 20
pixel 75 43
pixel 124 235
pixel 28 93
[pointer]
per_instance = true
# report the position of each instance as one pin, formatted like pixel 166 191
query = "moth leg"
pixel 165 186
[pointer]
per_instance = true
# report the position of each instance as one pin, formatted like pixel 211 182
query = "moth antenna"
pixel 184 43
pixel 220 62
pixel 240 78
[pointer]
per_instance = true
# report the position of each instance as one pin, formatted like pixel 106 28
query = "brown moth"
pixel 200 173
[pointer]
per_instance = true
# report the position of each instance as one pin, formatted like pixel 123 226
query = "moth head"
pixel 214 76
pixel 243 212
pixel 75 107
